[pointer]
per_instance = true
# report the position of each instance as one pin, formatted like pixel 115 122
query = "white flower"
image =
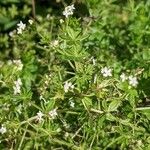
pixel 3 129
pixel 21 27
pixel 30 21
pixel 12 33
pixel 123 77
pixel 53 113
pixel 17 86
pixel 61 21
pixel 39 116
pixel 67 86
pixel 18 63
pixel 94 61
pixel 19 108
pixel 106 72
pixel 55 43
pixel 68 11
pixel 66 134
pixel 133 81
pixel 72 104
pixel 19 31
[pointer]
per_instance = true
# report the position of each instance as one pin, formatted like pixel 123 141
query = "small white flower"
pixel 123 77
pixel 107 72
pixel 19 31
pixel 72 104
pixel 12 33
pixel 133 81
pixel 55 43
pixel 67 86
pixel 66 134
pixel 17 86
pixel 61 21
pixel 3 129
pixel 53 113
pixel 94 61
pixel 39 116
pixel 30 21
pixel 68 11
pixel 21 27
pixel 18 63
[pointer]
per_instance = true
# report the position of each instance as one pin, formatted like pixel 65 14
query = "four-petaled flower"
pixel 68 11
pixel 72 104
pixel 123 77
pixel 21 27
pixel 53 113
pixel 67 86
pixel 133 81
pixel 106 72
pixel 55 43
pixel 3 129
pixel 17 86
pixel 39 116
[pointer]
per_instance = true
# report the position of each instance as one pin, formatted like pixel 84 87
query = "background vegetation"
pixel 79 82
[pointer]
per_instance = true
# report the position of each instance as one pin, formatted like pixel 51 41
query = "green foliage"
pixel 75 83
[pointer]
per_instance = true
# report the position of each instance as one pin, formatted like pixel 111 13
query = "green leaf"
pixel 113 105
pixel 9 25
pixel 110 117
pixel 50 104
pixel 87 102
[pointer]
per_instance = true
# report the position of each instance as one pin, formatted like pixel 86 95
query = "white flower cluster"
pixel 68 11
pixel 39 116
pixel 3 129
pixel 106 72
pixel 53 113
pixel 123 77
pixel 19 108
pixel 21 27
pixel 132 79
pixel 18 64
pixel 67 86
pixel 17 86
pixel 54 43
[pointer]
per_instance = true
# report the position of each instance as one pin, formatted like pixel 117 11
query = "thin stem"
pixel 33 9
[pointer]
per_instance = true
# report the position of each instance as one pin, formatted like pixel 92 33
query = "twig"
pixel 33 8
